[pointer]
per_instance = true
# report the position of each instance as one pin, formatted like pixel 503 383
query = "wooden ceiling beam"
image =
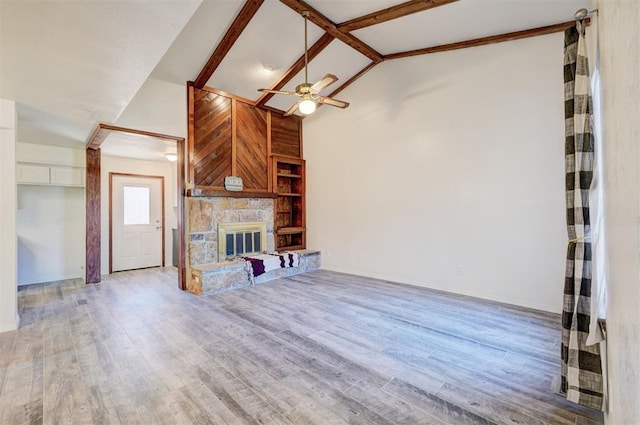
pixel 98 136
pixel 233 33
pixel 323 22
pixel 298 66
pixel 102 130
pixel 510 36
pixel 394 12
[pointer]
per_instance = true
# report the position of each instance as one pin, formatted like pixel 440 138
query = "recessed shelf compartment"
pixel 289 230
pixel 289 187
pixel 291 176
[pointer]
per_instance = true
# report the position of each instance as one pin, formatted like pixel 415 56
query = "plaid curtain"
pixel 581 370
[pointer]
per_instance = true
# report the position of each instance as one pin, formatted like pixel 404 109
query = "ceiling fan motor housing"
pixel 304 88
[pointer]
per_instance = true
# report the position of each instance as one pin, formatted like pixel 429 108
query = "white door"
pixel 137 222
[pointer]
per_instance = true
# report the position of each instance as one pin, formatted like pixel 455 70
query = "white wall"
pixel 447 160
pixel 50 221
pixel 620 64
pixel 160 107
pixel 29 152
pixel 133 166
pixel 8 253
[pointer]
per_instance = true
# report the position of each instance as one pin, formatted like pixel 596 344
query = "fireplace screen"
pixel 241 239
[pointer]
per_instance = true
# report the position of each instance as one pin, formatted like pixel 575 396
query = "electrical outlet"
pixel 460 269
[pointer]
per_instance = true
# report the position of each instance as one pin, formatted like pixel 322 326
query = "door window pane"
pixel 136 205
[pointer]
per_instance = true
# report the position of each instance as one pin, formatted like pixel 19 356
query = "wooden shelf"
pixel 290 247
pixel 289 188
pixel 289 230
pixel 205 191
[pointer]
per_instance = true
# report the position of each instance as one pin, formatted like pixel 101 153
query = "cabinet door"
pixel 33 174
pixel 66 176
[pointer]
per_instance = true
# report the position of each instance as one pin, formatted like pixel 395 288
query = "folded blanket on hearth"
pixel 265 263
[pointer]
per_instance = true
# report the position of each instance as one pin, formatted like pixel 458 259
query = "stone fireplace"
pixel 214 224
pixel 206 214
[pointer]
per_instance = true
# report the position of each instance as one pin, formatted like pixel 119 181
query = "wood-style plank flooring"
pixel 321 348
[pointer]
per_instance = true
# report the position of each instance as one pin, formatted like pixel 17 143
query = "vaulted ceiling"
pixel 70 65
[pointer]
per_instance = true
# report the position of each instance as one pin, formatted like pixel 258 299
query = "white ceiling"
pixel 338 59
pixel 81 62
pixel 70 65
pixel 275 38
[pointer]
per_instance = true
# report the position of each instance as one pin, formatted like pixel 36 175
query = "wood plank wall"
pixel 211 156
pixel 229 135
pixel 251 151
pixel 286 136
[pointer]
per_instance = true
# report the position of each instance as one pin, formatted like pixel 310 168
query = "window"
pixel 136 201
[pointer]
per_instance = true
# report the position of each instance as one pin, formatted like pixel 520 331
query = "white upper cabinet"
pixel 52 175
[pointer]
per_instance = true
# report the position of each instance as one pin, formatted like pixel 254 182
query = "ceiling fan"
pixel 309 94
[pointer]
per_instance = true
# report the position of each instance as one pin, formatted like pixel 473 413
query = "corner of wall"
pixel 9 318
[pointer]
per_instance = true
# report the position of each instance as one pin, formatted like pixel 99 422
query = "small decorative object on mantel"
pixel 233 184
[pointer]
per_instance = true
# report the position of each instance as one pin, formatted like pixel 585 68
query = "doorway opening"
pixel 93 196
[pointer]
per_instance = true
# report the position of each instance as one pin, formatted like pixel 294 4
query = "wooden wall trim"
pixel 191 119
pixel 98 136
pixel 269 162
pixel 227 94
pixel 102 130
pixel 228 40
pixel 482 41
pixel 182 271
pixel 297 66
pixel 234 137
pixel 323 22
pixel 221 192
pixel 394 12
pixel 92 208
pixel 244 100
pixel 301 135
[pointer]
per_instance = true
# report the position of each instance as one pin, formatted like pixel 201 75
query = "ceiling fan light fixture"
pixel 307 106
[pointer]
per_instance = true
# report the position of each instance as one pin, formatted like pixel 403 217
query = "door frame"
pixel 93 201
pixel 111 175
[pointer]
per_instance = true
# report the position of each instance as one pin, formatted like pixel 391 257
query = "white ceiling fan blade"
pixel 326 81
pixel 288 93
pixel 292 109
pixel 332 102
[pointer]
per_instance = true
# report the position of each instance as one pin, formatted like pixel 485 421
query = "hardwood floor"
pixel 321 348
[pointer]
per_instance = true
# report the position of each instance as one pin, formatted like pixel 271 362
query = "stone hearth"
pixel 227 275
